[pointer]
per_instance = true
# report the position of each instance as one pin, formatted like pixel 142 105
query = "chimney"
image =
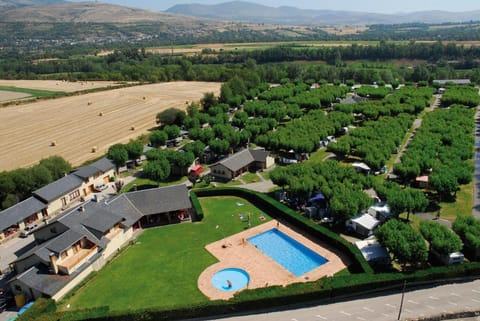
pixel 53 263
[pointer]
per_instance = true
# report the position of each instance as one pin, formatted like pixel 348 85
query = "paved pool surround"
pixel 236 252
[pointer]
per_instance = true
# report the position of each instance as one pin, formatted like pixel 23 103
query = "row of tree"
pixel 303 135
pixel 19 184
pixel 461 95
pixel 468 228
pixel 375 141
pixel 441 149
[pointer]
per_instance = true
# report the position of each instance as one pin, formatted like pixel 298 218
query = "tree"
pixel 7 186
pixel 444 182
pixel 193 109
pixel 40 176
pixel 134 149
pixel 57 166
pixel 441 239
pixel 208 100
pixel 405 244
pixel 197 148
pixel 172 131
pixel 158 138
pixel 171 116
pixel 118 154
pixel 157 170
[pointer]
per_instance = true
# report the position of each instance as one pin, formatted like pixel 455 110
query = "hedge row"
pixel 326 290
pixel 196 205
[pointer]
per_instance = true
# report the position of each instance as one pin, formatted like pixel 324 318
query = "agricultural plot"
pixel 57 85
pixel 11 95
pixel 81 128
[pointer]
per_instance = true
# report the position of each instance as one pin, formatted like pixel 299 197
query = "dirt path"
pixel 416 124
pixel 75 126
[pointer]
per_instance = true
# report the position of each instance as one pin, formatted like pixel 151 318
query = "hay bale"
pixel 94 149
pixel 89 103
pixel 53 143
pixel 132 128
pixel 100 114
pixel 144 98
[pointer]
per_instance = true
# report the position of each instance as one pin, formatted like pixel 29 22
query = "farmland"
pixel 73 126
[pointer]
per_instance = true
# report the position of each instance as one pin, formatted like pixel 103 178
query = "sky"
pixel 379 6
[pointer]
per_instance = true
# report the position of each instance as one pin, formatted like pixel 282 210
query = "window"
pixel 74 195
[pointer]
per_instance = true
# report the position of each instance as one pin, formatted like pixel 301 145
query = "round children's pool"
pixel 231 279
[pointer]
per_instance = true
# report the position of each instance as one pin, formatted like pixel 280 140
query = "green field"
pixel 33 92
pixel 161 268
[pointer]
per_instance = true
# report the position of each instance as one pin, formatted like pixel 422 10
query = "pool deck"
pixel 236 252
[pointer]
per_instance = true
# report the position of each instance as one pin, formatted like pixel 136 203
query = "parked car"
pixel 28 230
pixel 101 187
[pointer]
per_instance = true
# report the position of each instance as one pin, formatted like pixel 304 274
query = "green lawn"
pixel 463 204
pixel 33 92
pixel 145 182
pixel 162 267
pixel 318 156
pixel 251 178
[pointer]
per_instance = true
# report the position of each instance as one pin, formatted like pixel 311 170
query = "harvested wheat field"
pixel 58 85
pixel 11 95
pixel 73 127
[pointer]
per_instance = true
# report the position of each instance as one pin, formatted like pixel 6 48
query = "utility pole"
pixel 401 302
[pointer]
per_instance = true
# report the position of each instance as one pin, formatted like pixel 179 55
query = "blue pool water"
pixel 293 256
pixel 231 279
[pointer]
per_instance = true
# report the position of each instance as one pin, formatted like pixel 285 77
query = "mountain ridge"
pixel 245 11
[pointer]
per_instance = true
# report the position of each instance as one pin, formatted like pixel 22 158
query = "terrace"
pixel 69 264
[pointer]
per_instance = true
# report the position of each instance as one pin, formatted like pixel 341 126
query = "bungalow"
pixel 68 189
pixel 15 218
pixel 373 252
pixel 83 239
pixel 363 224
pixel 422 181
pixel 241 162
pixel 361 168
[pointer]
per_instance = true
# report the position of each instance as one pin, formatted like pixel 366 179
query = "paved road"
pixel 449 298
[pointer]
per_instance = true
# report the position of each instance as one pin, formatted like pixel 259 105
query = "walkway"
pixel 422 302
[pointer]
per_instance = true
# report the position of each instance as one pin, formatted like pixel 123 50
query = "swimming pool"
pixel 292 255
pixel 230 279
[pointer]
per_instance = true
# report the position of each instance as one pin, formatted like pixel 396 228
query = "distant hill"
pixel 11 4
pixel 255 13
pixel 90 12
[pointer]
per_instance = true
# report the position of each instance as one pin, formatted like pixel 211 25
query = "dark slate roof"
pixel 102 221
pixel 18 212
pixel 160 200
pixel 259 155
pixel 238 160
pixel 39 278
pixel 60 187
pixel 64 241
pixel 124 207
pixel 100 166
